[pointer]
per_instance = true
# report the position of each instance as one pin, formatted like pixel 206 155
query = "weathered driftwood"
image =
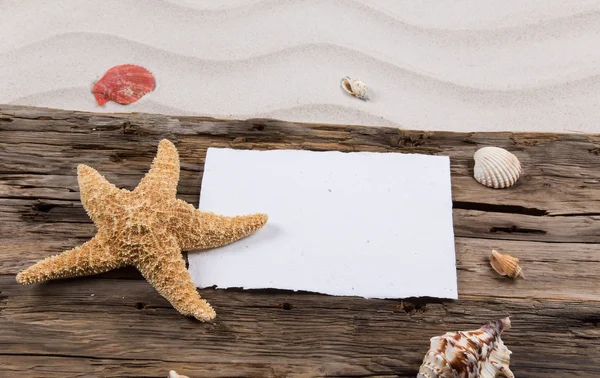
pixel 117 325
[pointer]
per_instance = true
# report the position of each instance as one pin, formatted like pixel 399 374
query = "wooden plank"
pixel 553 270
pixel 560 169
pixel 549 220
pixel 19 366
pixel 101 319
pixel 29 213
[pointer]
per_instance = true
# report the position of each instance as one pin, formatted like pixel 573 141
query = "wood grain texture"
pixel 275 334
pixel 115 324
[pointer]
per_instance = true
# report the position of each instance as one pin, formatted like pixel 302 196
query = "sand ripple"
pixel 474 66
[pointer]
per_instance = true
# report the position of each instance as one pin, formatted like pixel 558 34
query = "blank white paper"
pixel 375 225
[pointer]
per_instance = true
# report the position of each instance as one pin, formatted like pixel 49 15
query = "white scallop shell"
pixel 355 87
pixel 496 168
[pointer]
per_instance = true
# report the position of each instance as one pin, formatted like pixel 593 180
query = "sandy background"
pixel 436 65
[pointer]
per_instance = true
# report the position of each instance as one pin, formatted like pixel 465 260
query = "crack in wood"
pixel 58 355
pixel 43 207
pixel 595 150
pixel 506 237
pixel 508 209
pixel 141 305
pixel 575 215
pixel 517 230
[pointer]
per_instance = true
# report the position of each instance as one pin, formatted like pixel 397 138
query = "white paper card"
pixel 376 225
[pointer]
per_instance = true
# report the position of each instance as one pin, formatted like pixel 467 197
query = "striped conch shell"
pixel 469 354
pixel 355 87
pixel 506 265
pixel 173 374
pixel 496 168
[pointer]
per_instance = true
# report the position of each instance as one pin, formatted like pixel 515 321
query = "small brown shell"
pixel 506 265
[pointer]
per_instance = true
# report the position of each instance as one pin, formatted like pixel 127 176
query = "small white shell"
pixel 173 374
pixel 496 168
pixel 355 87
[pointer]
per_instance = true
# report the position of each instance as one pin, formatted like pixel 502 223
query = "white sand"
pixel 432 65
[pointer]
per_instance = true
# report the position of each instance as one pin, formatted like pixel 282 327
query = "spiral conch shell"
pixel 469 354
pixel 355 87
pixel 506 265
pixel 495 167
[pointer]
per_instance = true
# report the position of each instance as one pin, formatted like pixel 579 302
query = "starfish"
pixel 147 228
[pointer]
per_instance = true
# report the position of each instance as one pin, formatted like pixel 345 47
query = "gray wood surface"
pixel 116 325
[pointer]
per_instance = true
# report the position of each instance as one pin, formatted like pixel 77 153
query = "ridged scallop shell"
pixel 173 374
pixel 495 167
pixel 506 265
pixel 124 84
pixel 355 87
pixel 469 354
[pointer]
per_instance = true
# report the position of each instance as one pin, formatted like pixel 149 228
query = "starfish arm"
pixel 165 271
pixel 196 229
pixel 100 198
pixel 87 259
pixel 163 176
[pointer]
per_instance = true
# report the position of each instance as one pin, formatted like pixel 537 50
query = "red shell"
pixel 124 84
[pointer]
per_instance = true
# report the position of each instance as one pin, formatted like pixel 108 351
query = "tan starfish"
pixel 147 228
